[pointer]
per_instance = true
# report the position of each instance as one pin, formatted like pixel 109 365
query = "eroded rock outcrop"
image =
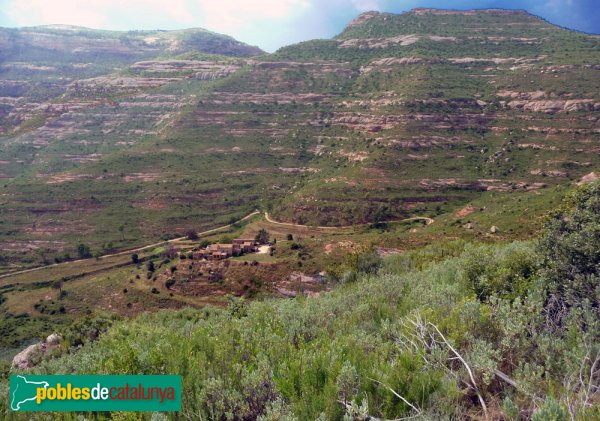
pixel 551 106
pixel 31 355
pixel 588 178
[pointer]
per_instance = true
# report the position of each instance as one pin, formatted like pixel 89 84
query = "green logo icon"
pixel 95 393
pixel 23 390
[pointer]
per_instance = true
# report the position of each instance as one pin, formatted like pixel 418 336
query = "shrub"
pixel 550 411
pixel 505 272
pixel 85 330
pixel 262 236
pixel 83 251
pixel 191 235
pixel 570 251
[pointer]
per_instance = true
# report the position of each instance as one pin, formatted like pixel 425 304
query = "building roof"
pixel 218 247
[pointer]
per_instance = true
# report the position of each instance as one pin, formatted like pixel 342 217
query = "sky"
pixel 269 24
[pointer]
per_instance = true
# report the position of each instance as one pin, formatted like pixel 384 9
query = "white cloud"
pixel 93 13
pixel 366 5
pixel 233 15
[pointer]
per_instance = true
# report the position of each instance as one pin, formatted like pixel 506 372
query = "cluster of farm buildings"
pixel 223 251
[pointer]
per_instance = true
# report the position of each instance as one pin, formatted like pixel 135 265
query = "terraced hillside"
pixel 413 114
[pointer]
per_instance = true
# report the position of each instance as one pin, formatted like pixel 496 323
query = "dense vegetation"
pixel 453 330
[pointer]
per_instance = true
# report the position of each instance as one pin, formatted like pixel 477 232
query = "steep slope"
pixel 70 95
pixel 446 103
pixel 418 113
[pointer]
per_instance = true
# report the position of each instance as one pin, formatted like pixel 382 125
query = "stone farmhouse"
pixel 224 251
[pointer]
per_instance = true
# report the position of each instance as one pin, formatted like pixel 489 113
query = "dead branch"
pixel 504 377
pixel 468 368
pixel 398 396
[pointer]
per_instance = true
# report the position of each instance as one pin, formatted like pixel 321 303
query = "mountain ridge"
pixel 400 115
pixel 73 39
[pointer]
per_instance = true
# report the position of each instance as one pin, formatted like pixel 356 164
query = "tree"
pixel 122 231
pixel 571 257
pixel 135 258
pixel 83 251
pixel 191 235
pixel 379 217
pixel 290 237
pixel 150 266
pixel 170 252
pixel 263 236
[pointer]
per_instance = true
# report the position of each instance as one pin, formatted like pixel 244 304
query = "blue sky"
pixel 269 24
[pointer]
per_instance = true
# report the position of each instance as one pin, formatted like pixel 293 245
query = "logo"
pixel 95 393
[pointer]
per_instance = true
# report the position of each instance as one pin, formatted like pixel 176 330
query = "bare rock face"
pixel 500 12
pixel 523 95
pixel 588 178
pixel 53 340
pixel 375 43
pixel 401 40
pixel 362 18
pixel 554 106
pixel 25 359
pixel 393 62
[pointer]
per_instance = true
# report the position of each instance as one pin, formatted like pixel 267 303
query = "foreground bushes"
pixel 445 332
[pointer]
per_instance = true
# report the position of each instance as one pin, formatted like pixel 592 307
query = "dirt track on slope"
pixel 6 275
pixel 427 220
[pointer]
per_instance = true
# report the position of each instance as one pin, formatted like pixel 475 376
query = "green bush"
pixel 570 250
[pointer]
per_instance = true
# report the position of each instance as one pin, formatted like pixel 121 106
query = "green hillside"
pixel 400 115
pixel 451 331
pixel 409 174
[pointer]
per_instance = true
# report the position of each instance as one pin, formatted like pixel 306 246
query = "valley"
pixel 419 180
pixel 385 121
pixel 115 140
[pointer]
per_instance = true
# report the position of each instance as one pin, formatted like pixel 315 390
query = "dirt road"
pixel 106 256
pixel 289 224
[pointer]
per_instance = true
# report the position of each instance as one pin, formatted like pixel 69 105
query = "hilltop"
pixel 74 43
pixel 399 115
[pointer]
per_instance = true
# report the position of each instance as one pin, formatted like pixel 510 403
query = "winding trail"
pixel 200 234
pixel 427 220
pixel 120 253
